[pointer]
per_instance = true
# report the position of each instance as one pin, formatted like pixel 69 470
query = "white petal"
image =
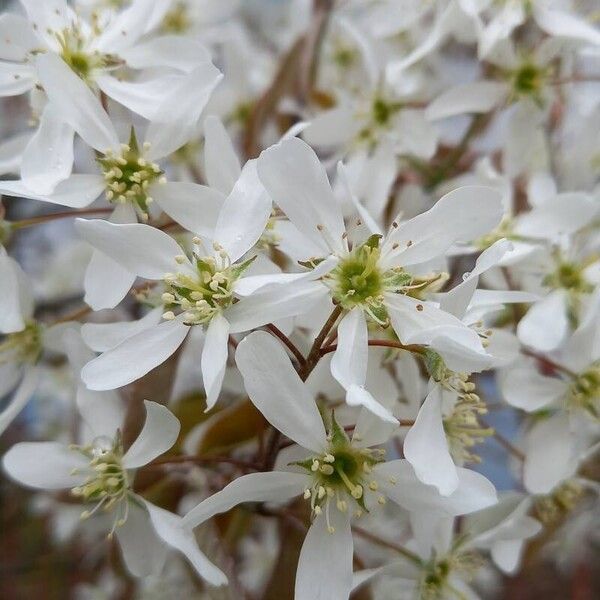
pixel 357 395
pixel 103 412
pixel 274 303
pixel 11 316
pixel 135 357
pixel 562 215
pixel 533 329
pixel 214 358
pixel 141 97
pixel 426 447
pixel 104 336
pixel 100 270
pixel 159 433
pixel 559 23
pixel 47 17
pixel 522 386
pixel 195 207
pixel 17 37
pixel 474 491
pixel 415 134
pixel 15 79
pixel 48 157
pixel 11 151
pixel 464 214
pixel 139 248
pixel 75 103
pixel 129 25
pixel 410 316
pixel 44 465
pixel 273 486
pixel 507 554
pixel 176 118
pixel 77 191
pixel 19 399
pixel 249 285
pixel 548 454
pixel 221 163
pixel 265 367
pixel 144 553
pixel 244 214
pixel 349 361
pixel 170 529
pixel 325 563
pixel 296 180
pixel 332 128
pixel 173 51
pixel 457 299
pixel 476 97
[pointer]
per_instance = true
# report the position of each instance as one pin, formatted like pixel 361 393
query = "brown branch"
pixel 288 343
pixel 383 343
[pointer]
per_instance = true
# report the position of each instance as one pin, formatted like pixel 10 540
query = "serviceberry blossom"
pixel 299 299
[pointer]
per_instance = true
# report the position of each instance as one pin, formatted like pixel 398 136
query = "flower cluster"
pixel 353 246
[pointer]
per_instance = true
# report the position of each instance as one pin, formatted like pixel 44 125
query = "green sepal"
pixel 339 438
pixel 237 270
pixel 373 241
pixel 435 364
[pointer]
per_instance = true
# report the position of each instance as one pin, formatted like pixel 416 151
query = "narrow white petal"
pixel 214 358
pixel 275 303
pixel 265 367
pixel 296 181
pixel 272 486
pixel 548 454
pixel 325 563
pixel 17 37
pixel 77 191
pixel 44 465
pixel 349 361
pixel 19 399
pixel 533 328
pixel 332 128
pixel 171 530
pixel 173 51
pixel 195 207
pixel 48 157
pixel 463 215
pixel 159 433
pixel 135 357
pixel 522 386
pixel 104 336
pixel 11 316
pixel 244 214
pixel 357 395
pixel 144 552
pixel 426 447
pixel 477 97
pixel 221 163
pixel 76 103
pixel 15 79
pixel 139 248
pixel 100 270
pixel 559 23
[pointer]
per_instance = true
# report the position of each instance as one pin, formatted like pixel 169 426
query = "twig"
pixel 289 344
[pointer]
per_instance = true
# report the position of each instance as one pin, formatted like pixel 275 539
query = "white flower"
pixel 100 473
pixel 56 34
pixel 341 477
pixel 380 279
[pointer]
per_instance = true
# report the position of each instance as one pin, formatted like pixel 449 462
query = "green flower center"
pixel 107 484
pixel 22 346
pixel 528 80
pixel 562 500
pixel 177 20
pixel 569 276
pixel 201 293
pixel 74 51
pixel 342 475
pixel 584 392
pixel 128 176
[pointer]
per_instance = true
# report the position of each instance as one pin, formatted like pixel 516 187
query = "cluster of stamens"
pixel 203 291
pixel 568 276
pixel 358 280
pixel 107 485
pixel 128 176
pixel 435 580
pixel 562 500
pixel 584 392
pixel 23 346
pixel 462 427
pixel 342 476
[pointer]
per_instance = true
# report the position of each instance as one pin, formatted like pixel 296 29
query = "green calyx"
pixel 584 392
pixel 75 52
pixel 569 276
